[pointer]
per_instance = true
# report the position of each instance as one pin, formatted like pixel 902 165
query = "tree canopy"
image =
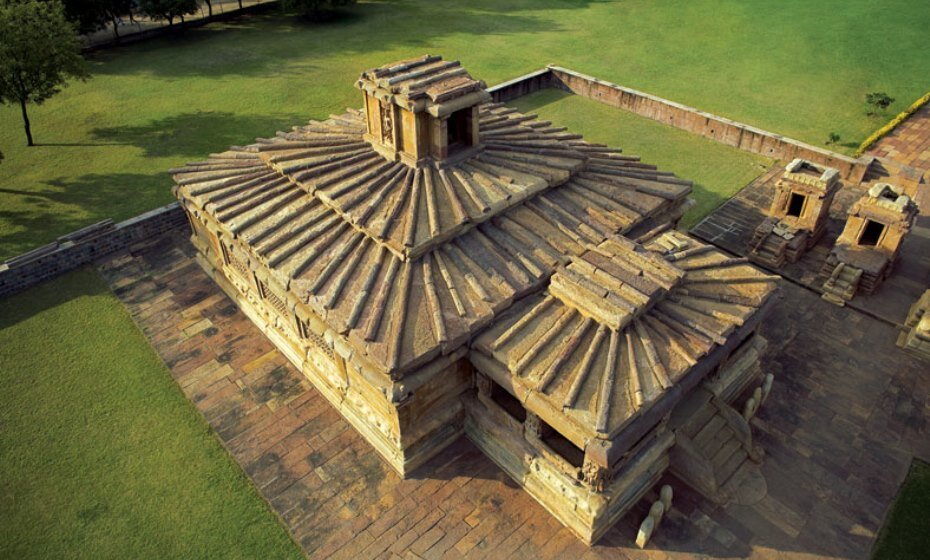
pixel 168 9
pixel 39 52
pixel 92 15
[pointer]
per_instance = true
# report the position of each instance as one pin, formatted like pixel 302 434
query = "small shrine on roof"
pixel 422 108
pixel 438 265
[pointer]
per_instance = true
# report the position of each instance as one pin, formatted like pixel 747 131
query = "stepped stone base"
pixel 587 513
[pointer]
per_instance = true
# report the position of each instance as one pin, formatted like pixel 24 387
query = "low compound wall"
pixel 520 86
pixel 720 129
pixel 85 246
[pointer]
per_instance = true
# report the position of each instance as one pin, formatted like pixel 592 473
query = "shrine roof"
pixel 409 263
pixel 563 360
pixel 810 174
pixel 889 197
pixel 418 83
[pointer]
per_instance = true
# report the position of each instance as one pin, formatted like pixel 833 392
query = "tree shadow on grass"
pixel 63 205
pixel 253 44
pixel 196 134
pixel 80 283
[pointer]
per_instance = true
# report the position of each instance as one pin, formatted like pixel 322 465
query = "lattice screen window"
pixel 318 341
pixel 235 262
pixel 274 299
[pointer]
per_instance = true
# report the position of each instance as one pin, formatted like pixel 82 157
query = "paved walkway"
pixel 909 143
pixel 906 152
pixel 847 414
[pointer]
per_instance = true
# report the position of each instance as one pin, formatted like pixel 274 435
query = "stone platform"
pixel 847 413
pixel 731 228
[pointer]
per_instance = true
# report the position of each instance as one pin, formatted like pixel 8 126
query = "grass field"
pixel 905 532
pixel 102 455
pixel 796 67
pixel 718 171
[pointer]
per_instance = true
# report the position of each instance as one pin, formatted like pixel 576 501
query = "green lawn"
pixel 796 67
pixel 718 171
pixel 905 533
pixel 101 454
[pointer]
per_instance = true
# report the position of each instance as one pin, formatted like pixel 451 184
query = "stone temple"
pixel 438 265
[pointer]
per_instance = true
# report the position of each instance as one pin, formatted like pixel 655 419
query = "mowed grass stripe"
pixel 102 455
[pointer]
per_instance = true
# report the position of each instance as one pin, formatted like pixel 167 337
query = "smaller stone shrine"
pixel 634 362
pixel 798 214
pixel 866 251
pixel 915 337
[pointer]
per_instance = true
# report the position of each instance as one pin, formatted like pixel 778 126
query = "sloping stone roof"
pixel 599 375
pixel 409 263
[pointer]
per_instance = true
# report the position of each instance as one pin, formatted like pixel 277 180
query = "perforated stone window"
pixel 272 298
pixel 315 340
pixel 235 262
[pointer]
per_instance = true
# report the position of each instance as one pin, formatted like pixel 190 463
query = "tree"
pixel 39 52
pixel 314 9
pixel 879 100
pixel 168 9
pixel 833 138
pixel 93 15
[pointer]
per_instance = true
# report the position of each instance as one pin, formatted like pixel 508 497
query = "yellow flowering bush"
pixel 881 132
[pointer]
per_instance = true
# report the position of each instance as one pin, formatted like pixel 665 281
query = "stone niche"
pixel 868 247
pixel 423 108
pixel 798 215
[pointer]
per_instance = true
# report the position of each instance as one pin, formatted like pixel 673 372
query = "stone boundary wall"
pixel 705 124
pixel 85 246
pixel 695 121
pixel 522 85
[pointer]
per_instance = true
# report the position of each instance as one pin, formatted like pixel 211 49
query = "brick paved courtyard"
pixel 847 414
pixel 909 143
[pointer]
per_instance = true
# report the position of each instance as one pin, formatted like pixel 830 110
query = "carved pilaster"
pixel 596 476
pixel 387 124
